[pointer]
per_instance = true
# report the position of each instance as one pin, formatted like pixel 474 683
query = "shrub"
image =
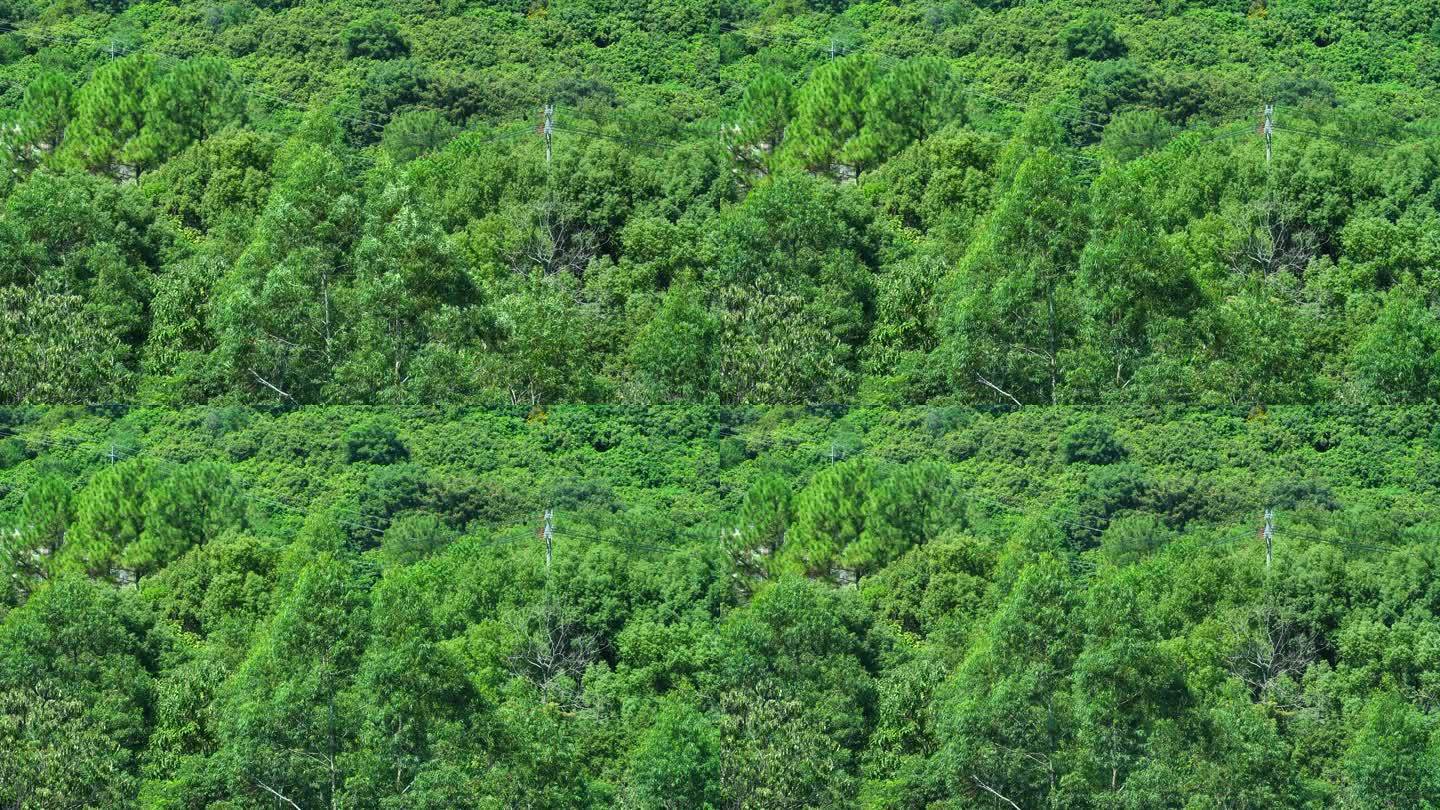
pixel 373 442
pixel 375 36
pixel 1091 441
pixel 1092 36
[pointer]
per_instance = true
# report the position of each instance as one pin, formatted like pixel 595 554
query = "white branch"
pixel 1001 390
pixel 282 797
pixel 994 792
pixel 267 384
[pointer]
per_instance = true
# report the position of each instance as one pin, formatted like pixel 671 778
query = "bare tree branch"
pixel 267 384
pixel 994 792
pixel 1271 647
pixel 277 794
pixel 999 389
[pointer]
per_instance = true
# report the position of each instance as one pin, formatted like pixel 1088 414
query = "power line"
pixel 726 430
pixel 595 536
pixel 1021 105
pixel 116 51
pixel 889 59
pixel 1022 511
pixel 1337 138
pixel 245 493
pixel 1334 541
pixel 1075 119
pixel 373 124
pixel 726 27
pixel 1222 540
pixel 592 535
pixel 591 133
pixel 583 131
pixel 618 542
pixel 1243 128
pixel 369 122
pixel 74 485
pixel 251 89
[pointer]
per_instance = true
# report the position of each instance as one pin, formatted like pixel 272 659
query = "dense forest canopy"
pixel 951 404
pixel 964 203
pixel 752 608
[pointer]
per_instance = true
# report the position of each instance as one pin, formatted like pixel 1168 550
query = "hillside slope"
pixel 889 203
pixel 740 608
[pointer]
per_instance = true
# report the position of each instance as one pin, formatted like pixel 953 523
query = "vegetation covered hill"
pixel 718 589
pixel 750 608
pixel 799 202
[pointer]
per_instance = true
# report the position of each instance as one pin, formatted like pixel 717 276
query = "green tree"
pixel 424 725
pixel 761 525
pixel 829 116
pixel 75 693
pixel 906 324
pixel 910 506
pixel 543 356
pixel 41 120
pixel 55 755
pixel 675 352
pixel 288 715
pixel 109 518
pixel 1091 441
pixel 791 289
pixel 222 180
pixel 28 550
pixel 374 441
pixel 218 592
pixel 676 762
pixel 1136 290
pixel 1392 761
pixel 117 294
pixel 409 290
pixel 191 102
pixel 1013 304
pixel 901 107
pixel 1397 357
pixel 796 696
pixel 830 516
pixel 412 134
pixel 192 505
pixel 374 36
pixel 110 116
pixel 1133 133
pixel 411 538
pixel 1092 35
pixel 1114 85
pixel 1125 684
pixel 55 351
pixel 282 310
pixel 1006 722
pixel 761 118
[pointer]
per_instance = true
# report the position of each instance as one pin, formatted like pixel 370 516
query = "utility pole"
pixel 549 129
pixel 112 454
pixel 1269 534
pixel 549 535
pixel 1269 129
pixel 832 47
